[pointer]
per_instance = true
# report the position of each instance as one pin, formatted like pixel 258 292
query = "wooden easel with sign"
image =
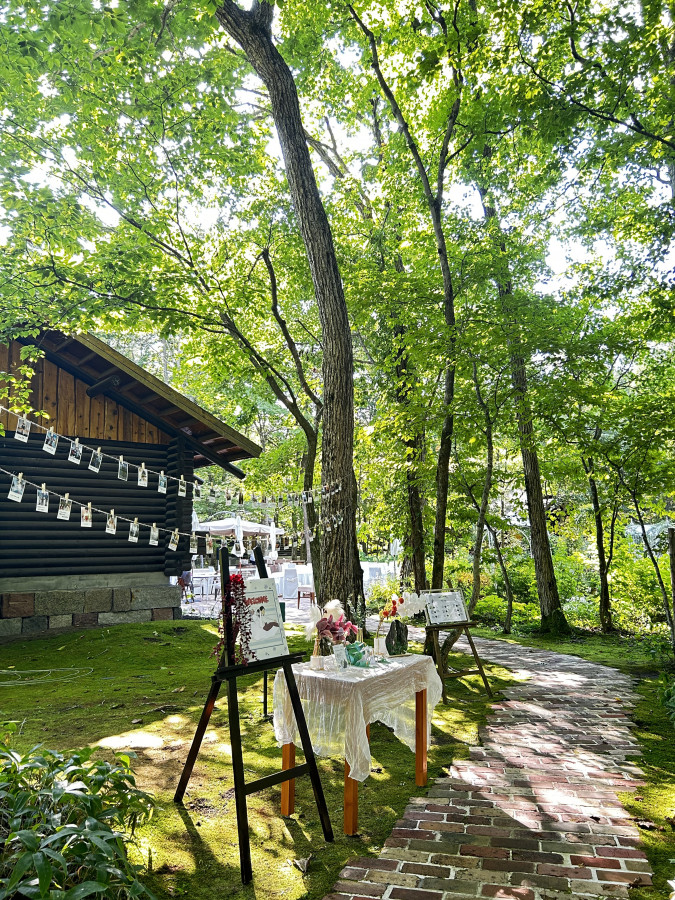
pixel 446 611
pixel 229 671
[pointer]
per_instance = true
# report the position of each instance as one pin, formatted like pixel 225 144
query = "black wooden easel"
pixel 229 671
pixel 444 673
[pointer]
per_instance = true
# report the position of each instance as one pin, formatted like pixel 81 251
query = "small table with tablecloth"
pixel 339 706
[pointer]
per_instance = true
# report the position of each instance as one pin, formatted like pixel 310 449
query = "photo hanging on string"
pixel 154 536
pixel 142 477
pixel 16 489
pixel 134 528
pixel 123 470
pixel 65 508
pixel 95 461
pixel 86 517
pixel 182 488
pixel 51 442
pixel 111 523
pixel 22 430
pixel 42 503
pixel 75 454
pixel 161 483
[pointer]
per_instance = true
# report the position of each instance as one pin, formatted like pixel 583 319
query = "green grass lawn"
pixel 144 686
pixel 653 804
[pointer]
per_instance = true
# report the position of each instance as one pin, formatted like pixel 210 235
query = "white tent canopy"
pixel 228 528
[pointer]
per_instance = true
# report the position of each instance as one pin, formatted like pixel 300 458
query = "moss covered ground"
pixel 143 687
pixel 653 805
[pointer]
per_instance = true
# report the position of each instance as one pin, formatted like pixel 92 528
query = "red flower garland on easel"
pixel 233 602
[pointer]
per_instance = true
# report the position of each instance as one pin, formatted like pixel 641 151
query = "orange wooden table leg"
pixel 288 787
pixel 421 738
pixel 351 819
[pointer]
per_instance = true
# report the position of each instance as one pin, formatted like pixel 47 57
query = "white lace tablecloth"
pixel 338 705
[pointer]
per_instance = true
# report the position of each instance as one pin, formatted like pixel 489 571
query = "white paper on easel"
pixel 444 607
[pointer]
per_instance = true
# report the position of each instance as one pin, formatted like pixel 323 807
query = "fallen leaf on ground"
pixel 301 864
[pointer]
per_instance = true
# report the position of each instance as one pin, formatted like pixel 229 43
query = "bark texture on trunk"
pixel 251 29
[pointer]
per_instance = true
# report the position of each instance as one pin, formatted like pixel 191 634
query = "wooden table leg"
pixel 351 818
pixel 351 814
pixel 288 787
pixel 421 738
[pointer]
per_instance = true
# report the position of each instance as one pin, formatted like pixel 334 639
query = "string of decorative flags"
pixel 76 452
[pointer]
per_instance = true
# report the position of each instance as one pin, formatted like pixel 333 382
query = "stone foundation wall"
pixel 36 612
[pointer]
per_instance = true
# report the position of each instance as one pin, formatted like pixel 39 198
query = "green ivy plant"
pixel 65 821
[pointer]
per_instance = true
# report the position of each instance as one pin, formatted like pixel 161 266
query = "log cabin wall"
pixel 35 545
pixel 56 575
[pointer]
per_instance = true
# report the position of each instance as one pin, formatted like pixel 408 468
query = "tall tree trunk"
pixel 414 448
pixel 434 201
pixel 507 580
pixel 310 518
pixel 606 622
pixel 485 497
pixel 252 30
pixel 670 614
pixel 553 619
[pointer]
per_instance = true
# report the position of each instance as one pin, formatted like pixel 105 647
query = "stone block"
pixel 60 621
pixel 34 624
pixel 155 596
pixel 98 600
pixel 177 612
pixel 121 600
pixel 17 605
pixel 58 603
pixel 10 627
pixel 124 618
pixel 162 614
pixel 80 620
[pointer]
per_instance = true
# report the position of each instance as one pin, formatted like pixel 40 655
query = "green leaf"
pixel 86 889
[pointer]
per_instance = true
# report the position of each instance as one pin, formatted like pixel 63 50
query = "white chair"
pixel 290 588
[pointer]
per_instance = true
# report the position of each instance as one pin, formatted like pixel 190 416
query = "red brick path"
pixel 533 814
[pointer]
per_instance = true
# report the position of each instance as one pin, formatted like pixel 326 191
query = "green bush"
pixel 380 592
pixel 667 697
pixel 64 824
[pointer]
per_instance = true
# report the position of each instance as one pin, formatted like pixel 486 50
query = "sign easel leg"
pixel 239 782
pixel 307 749
pixel 439 664
pixel 478 662
pixel 197 741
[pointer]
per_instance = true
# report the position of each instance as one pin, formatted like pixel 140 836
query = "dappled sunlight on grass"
pixel 162 676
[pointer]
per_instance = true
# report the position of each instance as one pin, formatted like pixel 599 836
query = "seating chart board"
pixel 444 607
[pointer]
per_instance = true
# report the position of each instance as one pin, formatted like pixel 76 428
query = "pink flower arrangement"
pixel 335 630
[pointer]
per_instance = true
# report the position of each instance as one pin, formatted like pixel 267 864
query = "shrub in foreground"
pixel 64 824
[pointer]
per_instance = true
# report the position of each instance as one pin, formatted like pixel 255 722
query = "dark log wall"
pixel 71 412
pixel 34 544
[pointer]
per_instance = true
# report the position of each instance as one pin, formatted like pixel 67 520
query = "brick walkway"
pixel 533 814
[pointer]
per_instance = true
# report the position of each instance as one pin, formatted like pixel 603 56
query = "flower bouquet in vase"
pixel 327 626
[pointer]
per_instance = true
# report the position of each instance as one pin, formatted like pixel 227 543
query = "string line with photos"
pixel 24 425
pixel 66 503
pixel 18 486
